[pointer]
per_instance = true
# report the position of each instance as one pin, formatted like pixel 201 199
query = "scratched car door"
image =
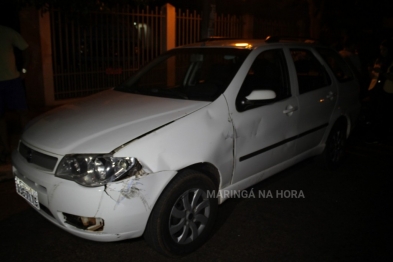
pixel 266 130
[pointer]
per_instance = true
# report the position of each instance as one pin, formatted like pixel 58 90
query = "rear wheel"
pixel 334 153
pixel 184 215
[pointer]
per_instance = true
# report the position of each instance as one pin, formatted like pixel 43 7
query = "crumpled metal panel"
pixel 127 204
pixel 203 136
pixel 84 127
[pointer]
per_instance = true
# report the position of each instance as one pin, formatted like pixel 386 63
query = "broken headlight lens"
pixel 97 170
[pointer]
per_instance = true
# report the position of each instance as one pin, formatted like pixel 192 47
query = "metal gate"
pixel 98 50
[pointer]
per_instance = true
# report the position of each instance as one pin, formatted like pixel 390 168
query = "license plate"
pixel 27 193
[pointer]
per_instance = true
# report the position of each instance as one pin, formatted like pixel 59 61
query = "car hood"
pixel 104 122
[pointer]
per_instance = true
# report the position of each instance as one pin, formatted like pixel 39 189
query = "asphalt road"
pixel 336 216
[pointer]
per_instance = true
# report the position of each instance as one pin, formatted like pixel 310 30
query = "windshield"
pixel 188 73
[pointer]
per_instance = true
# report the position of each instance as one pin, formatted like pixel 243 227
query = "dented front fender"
pixel 126 205
pixel 202 136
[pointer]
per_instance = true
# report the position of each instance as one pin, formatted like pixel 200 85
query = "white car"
pixel 157 154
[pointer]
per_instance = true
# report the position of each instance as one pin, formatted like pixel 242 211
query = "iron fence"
pixel 96 51
pixel 264 28
pixel 228 26
pixel 188 27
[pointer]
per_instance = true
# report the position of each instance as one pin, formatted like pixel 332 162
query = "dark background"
pixel 367 22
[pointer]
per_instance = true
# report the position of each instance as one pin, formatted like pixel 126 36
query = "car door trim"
pixel 263 150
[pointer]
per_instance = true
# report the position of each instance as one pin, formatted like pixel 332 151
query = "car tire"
pixel 334 152
pixel 184 215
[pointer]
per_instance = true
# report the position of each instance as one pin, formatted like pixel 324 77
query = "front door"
pixel 265 130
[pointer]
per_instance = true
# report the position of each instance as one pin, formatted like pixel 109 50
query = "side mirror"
pixel 261 95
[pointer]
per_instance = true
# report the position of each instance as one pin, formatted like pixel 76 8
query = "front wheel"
pixel 184 215
pixel 334 153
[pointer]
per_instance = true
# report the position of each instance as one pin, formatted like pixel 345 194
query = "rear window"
pixel 337 64
pixel 311 74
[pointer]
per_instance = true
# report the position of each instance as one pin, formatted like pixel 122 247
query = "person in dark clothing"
pixel 12 93
pixel 380 93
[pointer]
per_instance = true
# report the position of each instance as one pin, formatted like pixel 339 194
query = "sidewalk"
pixel 14 134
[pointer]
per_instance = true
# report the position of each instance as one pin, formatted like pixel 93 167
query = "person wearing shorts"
pixel 12 93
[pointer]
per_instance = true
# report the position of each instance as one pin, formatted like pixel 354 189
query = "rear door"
pixel 317 95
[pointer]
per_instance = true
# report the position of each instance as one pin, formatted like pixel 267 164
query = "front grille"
pixel 34 157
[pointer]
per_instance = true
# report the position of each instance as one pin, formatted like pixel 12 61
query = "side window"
pixel 337 64
pixel 311 75
pixel 268 72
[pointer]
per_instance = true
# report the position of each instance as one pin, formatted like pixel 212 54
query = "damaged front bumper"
pixel 116 211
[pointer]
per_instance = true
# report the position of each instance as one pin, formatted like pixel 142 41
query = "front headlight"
pixel 97 170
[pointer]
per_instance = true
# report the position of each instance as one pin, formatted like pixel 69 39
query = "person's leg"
pixel 380 118
pixel 13 98
pixel 386 119
pixel 372 134
pixel 4 147
pixel 4 150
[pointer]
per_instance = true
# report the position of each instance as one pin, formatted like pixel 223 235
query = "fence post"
pixel 46 56
pixel 35 27
pixel 29 25
pixel 248 26
pixel 168 27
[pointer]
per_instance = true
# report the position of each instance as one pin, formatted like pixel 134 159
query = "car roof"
pixel 251 43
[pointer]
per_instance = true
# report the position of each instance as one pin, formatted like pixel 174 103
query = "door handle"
pixel 289 110
pixel 330 95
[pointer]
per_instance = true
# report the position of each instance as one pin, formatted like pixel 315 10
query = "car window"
pixel 268 72
pixel 337 64
pixel 311 75
pixel 188 73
